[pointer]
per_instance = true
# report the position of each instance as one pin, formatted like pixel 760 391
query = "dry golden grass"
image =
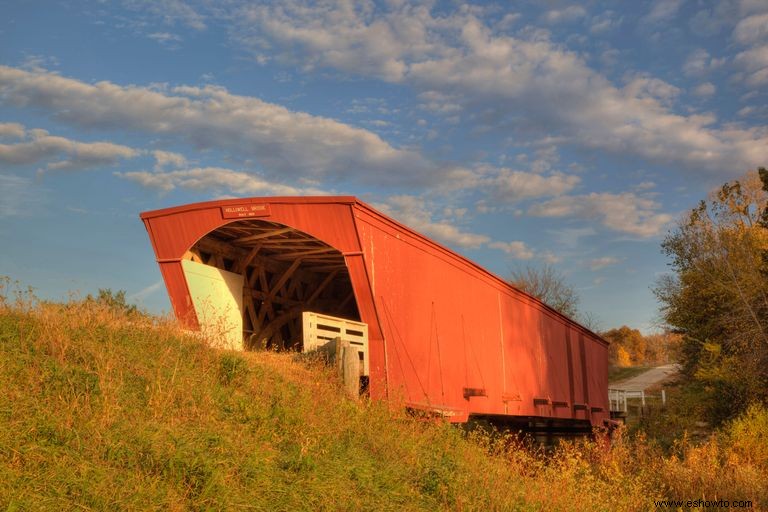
pixel 106 410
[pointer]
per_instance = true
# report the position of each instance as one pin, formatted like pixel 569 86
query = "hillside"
pixel 103 409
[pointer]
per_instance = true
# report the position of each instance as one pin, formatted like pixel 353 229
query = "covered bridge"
pixel 443 334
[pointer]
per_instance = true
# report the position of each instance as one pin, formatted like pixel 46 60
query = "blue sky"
pixel 528 133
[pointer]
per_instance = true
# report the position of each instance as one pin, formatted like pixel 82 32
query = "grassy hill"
pixel 103 409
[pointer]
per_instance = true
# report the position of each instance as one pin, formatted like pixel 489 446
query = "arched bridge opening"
pixel 282 273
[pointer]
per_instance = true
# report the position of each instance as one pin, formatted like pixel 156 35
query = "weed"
pixel 106 409
pixel 231 368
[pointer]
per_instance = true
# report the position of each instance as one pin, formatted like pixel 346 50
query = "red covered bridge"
pixel 444 335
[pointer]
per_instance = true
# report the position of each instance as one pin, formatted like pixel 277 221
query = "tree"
pixel 717 296
pixel 549 286
pixel 628 346
pixel 114 300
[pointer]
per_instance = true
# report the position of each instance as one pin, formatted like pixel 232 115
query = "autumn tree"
pixel 628 346
pixel 663 347
pixel 717 295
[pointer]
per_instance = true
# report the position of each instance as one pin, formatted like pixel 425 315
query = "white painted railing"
pixel 617 398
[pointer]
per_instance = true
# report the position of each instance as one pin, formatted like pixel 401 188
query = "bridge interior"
pixel 285 272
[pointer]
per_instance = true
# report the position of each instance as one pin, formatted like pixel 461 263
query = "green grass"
pixel 105 410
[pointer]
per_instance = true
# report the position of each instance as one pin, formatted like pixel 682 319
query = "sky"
pixel 516 133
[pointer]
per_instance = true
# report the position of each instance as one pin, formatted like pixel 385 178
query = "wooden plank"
pixel 260 236
pixel 318 329
pixel 325 260
pixel 300 254
pixel 282 241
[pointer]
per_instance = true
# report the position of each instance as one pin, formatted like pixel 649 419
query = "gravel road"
pixel 647 379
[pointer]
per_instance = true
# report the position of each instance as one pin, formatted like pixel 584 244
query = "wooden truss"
pixel 286 272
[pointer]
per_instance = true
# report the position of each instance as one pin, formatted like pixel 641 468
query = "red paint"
pixel 445 334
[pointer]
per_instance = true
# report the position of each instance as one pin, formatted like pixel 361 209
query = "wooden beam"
pixel 326 268
pixel 286 275
pixel 275 325
pixel 346 300
pixel 293 287
pixel 300 254
pixel 244 263
pixel 281 241
pixel 322 286
pixel 234 252
pixel 251 310
pixel 266 306
pixel 268 234
pixel 193 255
pixel 265 297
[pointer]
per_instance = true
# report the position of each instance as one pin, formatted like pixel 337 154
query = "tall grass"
pixel 103 409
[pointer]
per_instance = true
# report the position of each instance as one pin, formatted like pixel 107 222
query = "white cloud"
pixel 644 185
pixel 754 62
pixel 12 130
pixel 284 143
pixel 625 212
pixel 752 29
pixel 570 238
pixel 164 37
pixel 411 211
pixel 605 22
pixel 712 20
pixel 510 185
pixel 662 11
pixel 416 214
pixel 171 12
pixel 566 15
pixel 645 87
pixel 528 83
pixel 40 146
pixel 516 249
pixel 605 261
pixel 538 83
pixel 357 37
pixel 215 179
pixel 508 21
pixel 754 111
pixel 700 63
pixel 751 32
pixel 165 159
pixel 704 90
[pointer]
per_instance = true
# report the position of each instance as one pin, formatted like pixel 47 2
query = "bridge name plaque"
pixel 244 211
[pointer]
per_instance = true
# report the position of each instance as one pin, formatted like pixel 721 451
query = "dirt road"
pixel 647 379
